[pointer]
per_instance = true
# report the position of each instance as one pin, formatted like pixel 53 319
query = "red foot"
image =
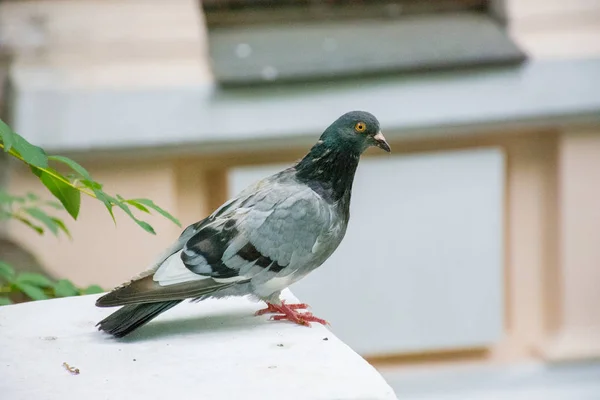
pixel 271 308
pixel 288 312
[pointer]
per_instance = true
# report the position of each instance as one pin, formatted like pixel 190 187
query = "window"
pixel 261 41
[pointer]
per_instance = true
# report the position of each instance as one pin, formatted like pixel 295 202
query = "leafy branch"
pixel 36 286
pixel 31 211
pixel 28 210
pixel 68 189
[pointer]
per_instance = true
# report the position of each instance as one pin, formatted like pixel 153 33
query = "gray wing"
pixel 274 231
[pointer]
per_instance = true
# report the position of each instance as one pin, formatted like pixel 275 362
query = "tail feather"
pixel 146 290
pixel 132 316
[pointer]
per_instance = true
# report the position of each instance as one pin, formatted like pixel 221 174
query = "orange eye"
pixel 360 127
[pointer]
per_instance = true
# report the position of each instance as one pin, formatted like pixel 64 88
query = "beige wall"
pixel 555 29
pixel 108 43
pixel 577 314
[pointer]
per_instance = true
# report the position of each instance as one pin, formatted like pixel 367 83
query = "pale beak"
pixel 381 142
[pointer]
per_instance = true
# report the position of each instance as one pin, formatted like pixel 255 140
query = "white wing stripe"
pixel 173 271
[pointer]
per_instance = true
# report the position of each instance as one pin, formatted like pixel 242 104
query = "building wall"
pixel 106 44
pixel 576 322
pixel 555 29
pixel 153 43
pixel 548 257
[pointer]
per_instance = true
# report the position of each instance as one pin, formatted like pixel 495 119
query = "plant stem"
pixel 59 177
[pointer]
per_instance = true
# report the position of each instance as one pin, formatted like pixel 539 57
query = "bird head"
pixel 357 129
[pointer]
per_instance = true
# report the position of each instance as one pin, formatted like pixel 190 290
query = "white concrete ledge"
pixel 209 351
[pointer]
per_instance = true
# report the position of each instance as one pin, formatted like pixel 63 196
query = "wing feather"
pixel 258 234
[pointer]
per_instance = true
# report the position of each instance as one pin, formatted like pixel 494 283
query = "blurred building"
pixel 476 240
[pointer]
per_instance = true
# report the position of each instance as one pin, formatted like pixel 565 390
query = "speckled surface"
pixel 213 350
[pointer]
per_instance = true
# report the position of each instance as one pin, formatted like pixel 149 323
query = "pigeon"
pixel 272 234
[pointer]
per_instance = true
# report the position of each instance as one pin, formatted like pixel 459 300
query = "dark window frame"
pixel 229 13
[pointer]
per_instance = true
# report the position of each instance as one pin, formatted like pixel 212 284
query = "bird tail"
pixel 130 317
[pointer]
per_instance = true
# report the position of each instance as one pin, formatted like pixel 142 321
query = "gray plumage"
pixel 267 237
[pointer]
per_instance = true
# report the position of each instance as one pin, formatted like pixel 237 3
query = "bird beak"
pixel 381 142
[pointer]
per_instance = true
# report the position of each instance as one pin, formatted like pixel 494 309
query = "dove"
pixel 267 237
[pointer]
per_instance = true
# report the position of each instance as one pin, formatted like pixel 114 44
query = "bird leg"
pixel 288 312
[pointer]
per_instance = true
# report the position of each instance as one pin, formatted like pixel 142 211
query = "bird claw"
pixel 272 309
pixel 301 319
pixel 288 312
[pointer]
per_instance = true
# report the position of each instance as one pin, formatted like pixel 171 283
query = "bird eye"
pixel 360 127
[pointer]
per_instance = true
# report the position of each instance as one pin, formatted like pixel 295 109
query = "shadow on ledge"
pixel 231 321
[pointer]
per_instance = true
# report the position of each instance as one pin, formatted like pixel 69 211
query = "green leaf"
pixel 61 225
pixel 5 198
pixel 106 199
pixel 74 166
pixel 6 135
pixel 92 289
pixel 150 203
pixel 65 288
pixel 91 184
pixel 9 199
pixel 32 197
pixel 66 194
pixel 33 292
pixel 5 301
pixel 144 225
pixel 30 224
pixel 137 205
pixel 43 218
pixel 33 279
pixel 6 272
pixel 54 204
pixel 32 155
